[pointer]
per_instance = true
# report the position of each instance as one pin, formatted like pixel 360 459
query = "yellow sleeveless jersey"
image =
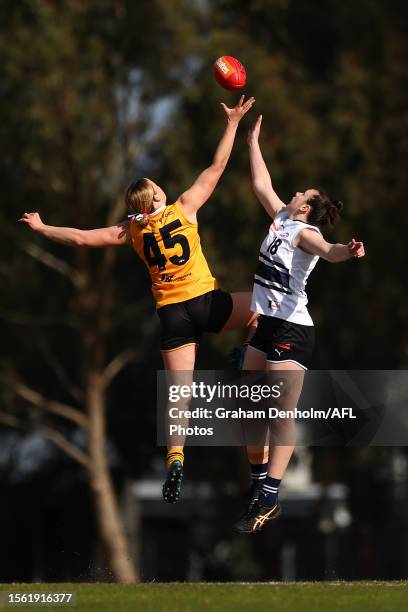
pixel 171 249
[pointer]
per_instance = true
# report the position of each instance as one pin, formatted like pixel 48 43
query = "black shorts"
pixel 185 322
pixel 284 341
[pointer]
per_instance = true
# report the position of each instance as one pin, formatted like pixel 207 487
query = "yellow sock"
pixel 174 454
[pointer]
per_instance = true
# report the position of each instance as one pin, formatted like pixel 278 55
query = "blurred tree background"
pixel 96 93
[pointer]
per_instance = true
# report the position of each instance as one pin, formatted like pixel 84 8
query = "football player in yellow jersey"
pixel 189 301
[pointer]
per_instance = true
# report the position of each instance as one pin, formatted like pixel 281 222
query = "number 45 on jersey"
pixel 152 252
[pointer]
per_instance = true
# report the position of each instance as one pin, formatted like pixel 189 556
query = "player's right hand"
pixel 356 249
pixel 253 134
pixel 234 115
pixel 32 219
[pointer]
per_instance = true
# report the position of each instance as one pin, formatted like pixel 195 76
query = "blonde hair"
pixel 139 199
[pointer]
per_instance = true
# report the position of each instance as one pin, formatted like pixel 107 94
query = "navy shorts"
pixel 284 341
pixel 185 322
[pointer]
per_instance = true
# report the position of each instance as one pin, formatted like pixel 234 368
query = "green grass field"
pixel 179 597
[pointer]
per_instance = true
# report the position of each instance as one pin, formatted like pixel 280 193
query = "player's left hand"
pixel 234 115
pixel 356 249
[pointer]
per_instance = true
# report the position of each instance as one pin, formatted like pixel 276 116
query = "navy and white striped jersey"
pixel 282 272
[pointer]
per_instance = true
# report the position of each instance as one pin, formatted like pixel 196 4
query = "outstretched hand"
pixel 32 219
pixel 356 249
pixel 234 115
pixel 253 133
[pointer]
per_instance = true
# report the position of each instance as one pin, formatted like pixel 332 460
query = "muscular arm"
pixel 71 236
pixel 312 242
pixel 192 199
pixel 261 179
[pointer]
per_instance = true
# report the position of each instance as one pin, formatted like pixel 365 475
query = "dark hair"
pixel 324 211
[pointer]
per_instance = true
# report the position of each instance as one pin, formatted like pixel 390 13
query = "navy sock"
pixel 269 491
pixel 258 474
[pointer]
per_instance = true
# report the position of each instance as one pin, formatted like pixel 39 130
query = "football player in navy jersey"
pixel 285 335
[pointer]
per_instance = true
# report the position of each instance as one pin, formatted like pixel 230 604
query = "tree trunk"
pixel 107 510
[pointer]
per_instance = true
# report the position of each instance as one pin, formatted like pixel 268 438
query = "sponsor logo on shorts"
pixel 285 346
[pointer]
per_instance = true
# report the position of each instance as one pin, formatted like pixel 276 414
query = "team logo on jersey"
pixel 181 278
pixel 160 218
pixel 277 230
pixel 167 278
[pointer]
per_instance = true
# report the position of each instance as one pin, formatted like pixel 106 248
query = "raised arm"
pixel 261 180
pixel 192 199
pixel 312 242
pixel 71 236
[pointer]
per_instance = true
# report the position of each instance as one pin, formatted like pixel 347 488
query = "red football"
pixel 229 72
